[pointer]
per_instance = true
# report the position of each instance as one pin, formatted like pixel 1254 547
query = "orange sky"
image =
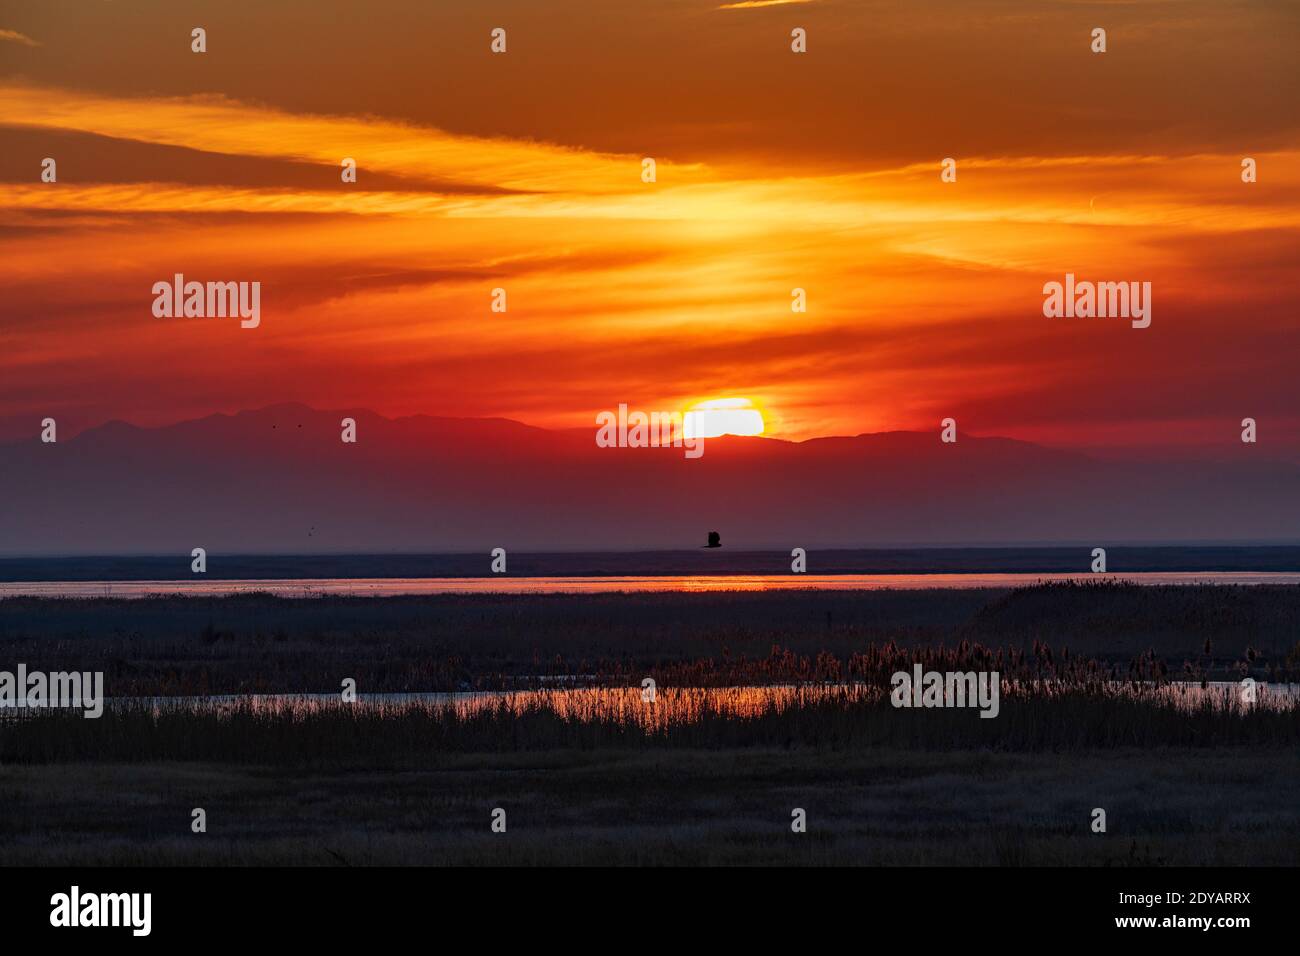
pixel 775 170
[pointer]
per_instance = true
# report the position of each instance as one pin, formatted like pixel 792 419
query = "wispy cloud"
pixel 924 296
pixel 751 4
pixel 13 36
pixel 220 125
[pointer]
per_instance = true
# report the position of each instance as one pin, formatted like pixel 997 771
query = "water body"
pixel 673 704
pixel 695 562
pixel 505 584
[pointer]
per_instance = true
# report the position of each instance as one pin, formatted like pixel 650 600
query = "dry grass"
pixel 1172 807
pixel 261 644
pixel 1046 716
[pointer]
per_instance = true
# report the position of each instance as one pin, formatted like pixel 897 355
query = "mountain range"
pixel 281 480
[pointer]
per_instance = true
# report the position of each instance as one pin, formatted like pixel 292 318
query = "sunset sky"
pixel 775 171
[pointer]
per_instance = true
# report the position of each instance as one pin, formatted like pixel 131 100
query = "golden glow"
pixel 754 4
pixel 923 297
pixel 723 416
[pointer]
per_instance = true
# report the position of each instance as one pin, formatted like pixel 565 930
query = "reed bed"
pixel 261 644
pixel 1033 717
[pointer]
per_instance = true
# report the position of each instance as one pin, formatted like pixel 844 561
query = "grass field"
pixel 585 776
pixel 875 806
pixel 259 643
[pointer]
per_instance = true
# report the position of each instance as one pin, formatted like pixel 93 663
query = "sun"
pixel 722 416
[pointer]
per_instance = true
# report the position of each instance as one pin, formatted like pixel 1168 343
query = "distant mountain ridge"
pixel 280 480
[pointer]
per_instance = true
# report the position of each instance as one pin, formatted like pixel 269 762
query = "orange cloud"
pixel 924 297
pixel 13 36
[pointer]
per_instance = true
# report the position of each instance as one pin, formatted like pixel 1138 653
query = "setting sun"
pixel 723 416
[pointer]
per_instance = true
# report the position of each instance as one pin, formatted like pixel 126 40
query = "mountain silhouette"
pixel 254 481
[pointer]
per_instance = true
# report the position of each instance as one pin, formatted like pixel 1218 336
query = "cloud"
pixel 752 4
pixel 220 125
pixel 13 36
pixel 924 296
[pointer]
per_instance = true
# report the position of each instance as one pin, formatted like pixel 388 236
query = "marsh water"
pixel 670 705
pixel 504 584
